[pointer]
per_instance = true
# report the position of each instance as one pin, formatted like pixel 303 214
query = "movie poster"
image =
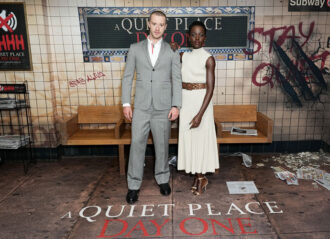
pixel 14 45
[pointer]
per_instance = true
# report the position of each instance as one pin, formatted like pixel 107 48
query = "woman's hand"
pixel 195 122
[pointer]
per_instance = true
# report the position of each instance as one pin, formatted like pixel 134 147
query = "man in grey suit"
pixel 156 103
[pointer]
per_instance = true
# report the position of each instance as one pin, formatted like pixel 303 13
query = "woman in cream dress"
pixel 198 151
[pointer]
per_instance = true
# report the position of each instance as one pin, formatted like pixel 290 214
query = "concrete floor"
pixel 56 200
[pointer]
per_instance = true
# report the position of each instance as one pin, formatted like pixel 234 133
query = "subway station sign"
pixel 107 33
pixel 309 6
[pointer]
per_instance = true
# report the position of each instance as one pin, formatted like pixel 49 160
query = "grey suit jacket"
pixel 160 85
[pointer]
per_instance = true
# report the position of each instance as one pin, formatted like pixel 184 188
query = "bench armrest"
pixel 218 129
pixel 265 125
pixel 68 127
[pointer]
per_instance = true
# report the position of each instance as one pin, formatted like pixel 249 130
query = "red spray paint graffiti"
pixel 81 81
pixel 288 32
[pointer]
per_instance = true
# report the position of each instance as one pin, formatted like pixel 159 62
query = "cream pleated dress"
pixel 198 151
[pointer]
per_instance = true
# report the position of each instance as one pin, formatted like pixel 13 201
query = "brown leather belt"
pixel 193 86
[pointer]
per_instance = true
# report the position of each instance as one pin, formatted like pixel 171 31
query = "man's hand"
pixel 127 110
pixel 174 113
pixel 174 46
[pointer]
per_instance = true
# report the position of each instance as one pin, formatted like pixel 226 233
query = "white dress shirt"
pixel 153 50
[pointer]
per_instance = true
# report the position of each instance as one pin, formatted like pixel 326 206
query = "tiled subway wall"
pixel 55 42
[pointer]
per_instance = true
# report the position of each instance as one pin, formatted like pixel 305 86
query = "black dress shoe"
pixel 165 189
pixel 132 196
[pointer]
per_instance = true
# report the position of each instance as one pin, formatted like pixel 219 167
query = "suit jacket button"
pixel 153 69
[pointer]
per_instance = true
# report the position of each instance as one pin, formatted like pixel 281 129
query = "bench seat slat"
pixel 107 137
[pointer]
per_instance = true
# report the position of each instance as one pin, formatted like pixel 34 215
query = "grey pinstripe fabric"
pixel 158 88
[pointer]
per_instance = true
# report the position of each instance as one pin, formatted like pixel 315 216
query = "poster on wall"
pixel 14 45
pixel 106 33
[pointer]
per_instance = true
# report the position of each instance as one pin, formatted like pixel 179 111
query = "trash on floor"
pixel 325 181
pixel 247 160
pixel 298 160
pixel 242 187
pixel 310 173
pixel 260 165
pixel 285 175
pixel 172 160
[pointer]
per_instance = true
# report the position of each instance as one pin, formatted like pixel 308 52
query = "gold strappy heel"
pixel 194 185
pixel 201 186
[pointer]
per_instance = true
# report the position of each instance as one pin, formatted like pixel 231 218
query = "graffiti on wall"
pixel 82 81
pixel 302 77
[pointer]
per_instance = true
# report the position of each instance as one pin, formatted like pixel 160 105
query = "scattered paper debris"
pixel 285 175
pixel 315 185
pixel 298 160
pixel 325 181
pixel 242 187
pixel 259 165
pixel 310 173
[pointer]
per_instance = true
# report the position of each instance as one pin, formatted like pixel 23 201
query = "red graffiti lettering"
pixel 289 32
pixel 323 56
pixel 281 39
pixel 271 34
pixel 81 81
pixel 311 28
pixel 251 38
pixel 266 79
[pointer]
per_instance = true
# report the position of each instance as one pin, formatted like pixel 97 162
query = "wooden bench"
pixel 242 113
pixel 73 133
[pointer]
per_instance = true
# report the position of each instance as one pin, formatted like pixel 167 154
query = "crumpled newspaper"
pixel 285 175
pixel 325 182
pixel 247 160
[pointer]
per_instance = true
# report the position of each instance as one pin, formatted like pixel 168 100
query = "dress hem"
pixel 198 172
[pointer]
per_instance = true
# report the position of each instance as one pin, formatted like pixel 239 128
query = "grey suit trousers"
pixel 142 122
